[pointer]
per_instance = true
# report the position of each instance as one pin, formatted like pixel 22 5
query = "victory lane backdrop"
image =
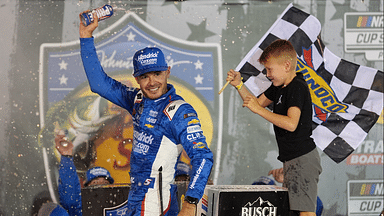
pixel 248 148
pixel 101 132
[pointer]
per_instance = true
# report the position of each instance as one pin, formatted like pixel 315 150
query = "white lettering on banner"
pixel 369 146
pixel 112 63
pixel 365 159
pixel 370 152
pixel 193 129
pixel 197 174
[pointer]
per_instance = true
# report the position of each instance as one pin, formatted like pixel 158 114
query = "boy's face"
pixel 153 84
pixel 277 71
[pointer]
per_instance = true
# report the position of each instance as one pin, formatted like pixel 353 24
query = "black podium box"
pixel 110 200
pixel 105 200
pixel 247 200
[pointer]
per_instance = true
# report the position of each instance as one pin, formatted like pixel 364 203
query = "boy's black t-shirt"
pixel 296 93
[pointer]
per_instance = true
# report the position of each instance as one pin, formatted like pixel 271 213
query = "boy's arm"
pixel 257 105
pixel 235 80
pixel 288 122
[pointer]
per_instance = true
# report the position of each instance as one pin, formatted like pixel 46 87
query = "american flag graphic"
pixel 347 98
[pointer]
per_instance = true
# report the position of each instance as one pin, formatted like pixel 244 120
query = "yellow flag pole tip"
pixel 222 89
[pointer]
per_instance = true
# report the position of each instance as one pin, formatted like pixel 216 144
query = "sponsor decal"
pixel 365 197
pixel 199 145
pixel 139 97
pixel 259 208
pixel 141 148
pixel 143 137
pixel 190 115
pixel 142 57
pixel 172 107
pixel 141 142
pixel 193 121
pixel 323 97
pixel 151 120
pixel 153 113
pixel 148 125
pixel 99 172
pixel 149 59
pixel 194 136
pixel 193 129
pixel 149 62
pixel 204 203
pixel 197 174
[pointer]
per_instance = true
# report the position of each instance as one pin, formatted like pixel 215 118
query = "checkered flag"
pixel 347 98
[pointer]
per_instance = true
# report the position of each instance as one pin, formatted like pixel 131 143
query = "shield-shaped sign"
pixel 100 131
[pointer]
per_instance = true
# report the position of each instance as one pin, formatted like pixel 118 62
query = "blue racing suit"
pixel 162 128
pixel 69 187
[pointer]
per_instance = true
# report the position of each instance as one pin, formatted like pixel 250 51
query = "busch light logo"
pixel 259 208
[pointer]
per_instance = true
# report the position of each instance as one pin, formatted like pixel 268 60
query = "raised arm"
pixel 69 182
pixel 235 80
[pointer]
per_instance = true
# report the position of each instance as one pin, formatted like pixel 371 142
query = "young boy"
pixel 292 121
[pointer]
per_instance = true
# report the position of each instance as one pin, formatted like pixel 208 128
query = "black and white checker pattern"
pixel 358 87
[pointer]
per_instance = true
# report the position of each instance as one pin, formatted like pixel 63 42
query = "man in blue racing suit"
pixel 69 183
pixel 163 124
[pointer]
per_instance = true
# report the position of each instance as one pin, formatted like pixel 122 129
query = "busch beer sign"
pixel 259 208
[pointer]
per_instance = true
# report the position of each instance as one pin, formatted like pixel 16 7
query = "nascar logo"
pixel 371 189
pixel 370 21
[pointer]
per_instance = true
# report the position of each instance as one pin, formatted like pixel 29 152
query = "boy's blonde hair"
pixel 281 50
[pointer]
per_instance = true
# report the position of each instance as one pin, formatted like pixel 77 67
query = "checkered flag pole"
pixel 347 98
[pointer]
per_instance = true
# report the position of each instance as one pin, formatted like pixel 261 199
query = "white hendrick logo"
pixel 147 56
pixel 143 137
